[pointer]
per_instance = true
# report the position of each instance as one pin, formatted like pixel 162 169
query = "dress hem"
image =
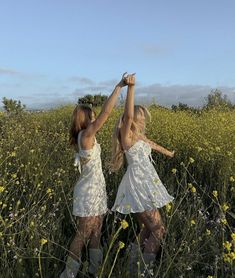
pixel 88 215
pixel 142 210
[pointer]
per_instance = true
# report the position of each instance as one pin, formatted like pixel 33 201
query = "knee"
pixel 158 231
pixel 82 234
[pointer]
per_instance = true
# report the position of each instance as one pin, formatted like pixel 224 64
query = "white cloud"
pixel 10 72
pixel 82 80
pixel 193 95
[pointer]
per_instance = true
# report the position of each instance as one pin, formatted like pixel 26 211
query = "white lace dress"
pixel 141 188
pixel 89 195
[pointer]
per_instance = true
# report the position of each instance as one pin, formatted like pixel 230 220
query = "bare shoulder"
pixel 143 137
pixel 86 140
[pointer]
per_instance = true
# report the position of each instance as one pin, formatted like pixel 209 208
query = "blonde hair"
pixel 117 150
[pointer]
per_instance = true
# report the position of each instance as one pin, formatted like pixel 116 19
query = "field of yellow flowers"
pixel 36 185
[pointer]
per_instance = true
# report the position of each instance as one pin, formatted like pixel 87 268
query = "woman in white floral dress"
pixel 89 197
pixel 140 192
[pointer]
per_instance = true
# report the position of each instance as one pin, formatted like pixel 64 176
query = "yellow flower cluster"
pixel 124 224
pixel 225 207
pixel 224 221
pixel 215 193
pixel 192 188
pixel 208 232
pixel 43 241
pixel 233 236
pixel 174 171
pixel 121 245
pixel 168 207
pixel 191 160
pixel 49 190
pixel 232 179
pixel 192 222
pixel 229 257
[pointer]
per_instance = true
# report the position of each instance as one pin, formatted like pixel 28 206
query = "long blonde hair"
pixel 117 150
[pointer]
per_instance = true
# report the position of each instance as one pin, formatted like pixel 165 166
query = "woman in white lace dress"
pixel 89 197
pixel 140 192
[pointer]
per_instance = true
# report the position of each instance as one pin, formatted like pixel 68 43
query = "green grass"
pixel 36 185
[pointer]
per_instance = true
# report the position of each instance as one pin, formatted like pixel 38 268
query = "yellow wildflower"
pixel 215 193
pixel 208 232
pixel 225 207
pixel 232 255
pixel 124 224
pixel 43 241
pixel 191 160
pixel 227 259
pixel 192 222
pixel 2 188
pixel 174 171
pixel 227 245
pixel 232 179
pixel 233 236
pixel 209 276
pixel 224 221
pixel 121 244
pixel 190 185
pixel 193 189
pixel 168 207
pixel 49 190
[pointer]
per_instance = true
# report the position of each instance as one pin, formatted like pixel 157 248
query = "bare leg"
pixel 84 230
pixel 143 235
pixel 95 253
pixel 153 223
pixel 73 262
pixel 96 232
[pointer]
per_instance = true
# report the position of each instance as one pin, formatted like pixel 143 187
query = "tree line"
pixel 215 100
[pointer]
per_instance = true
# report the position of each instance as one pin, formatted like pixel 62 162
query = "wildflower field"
pixel 37 177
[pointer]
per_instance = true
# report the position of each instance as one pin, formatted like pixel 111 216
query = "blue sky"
pixel 54 51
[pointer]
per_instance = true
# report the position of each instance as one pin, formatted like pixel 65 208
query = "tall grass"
pixel 36 184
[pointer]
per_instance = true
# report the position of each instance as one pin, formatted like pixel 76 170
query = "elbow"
pixel 129 118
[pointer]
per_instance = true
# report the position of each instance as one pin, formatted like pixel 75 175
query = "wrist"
pixel 118 86
pixel 131 86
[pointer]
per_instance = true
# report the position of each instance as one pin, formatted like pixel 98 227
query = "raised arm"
pixel 106 109
pixel 129 107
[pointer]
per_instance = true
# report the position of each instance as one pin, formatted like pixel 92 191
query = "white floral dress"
pixel 89 195
pixel 140 188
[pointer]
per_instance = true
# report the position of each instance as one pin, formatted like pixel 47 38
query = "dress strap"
pixel 151 159
pixel 77 161
pixel 79 140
